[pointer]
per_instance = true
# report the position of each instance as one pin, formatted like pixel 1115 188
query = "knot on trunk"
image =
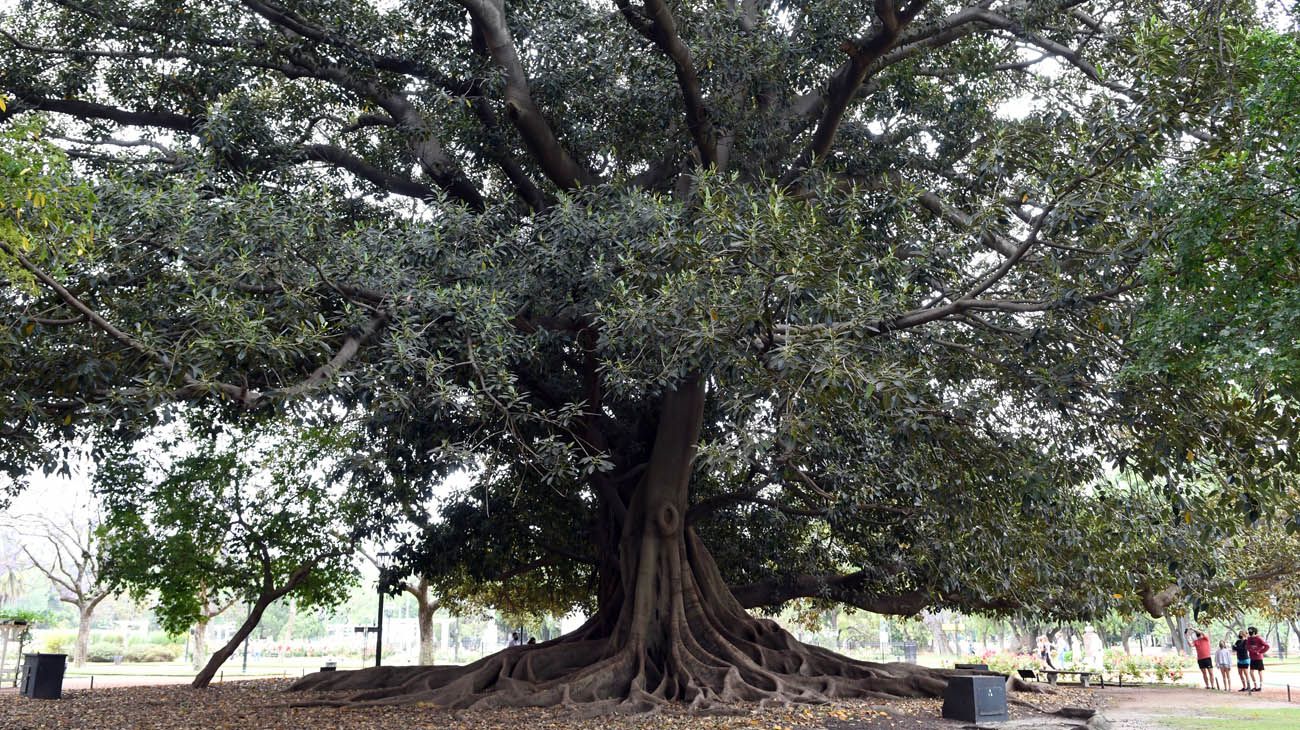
pixel 667 520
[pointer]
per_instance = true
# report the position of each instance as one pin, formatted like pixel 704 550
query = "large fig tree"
pixel 717 304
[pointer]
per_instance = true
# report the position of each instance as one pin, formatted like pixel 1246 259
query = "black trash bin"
pixel 909 652
pixel 984 667
pixel 976 699
pixel 43 676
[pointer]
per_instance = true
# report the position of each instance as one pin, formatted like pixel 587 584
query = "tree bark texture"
pixel 82 646
pixel 200 634
pixel 424 618
pixel 672 633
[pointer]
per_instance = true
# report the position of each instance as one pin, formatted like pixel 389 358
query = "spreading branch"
pixel 489 21
pixel 193 386
pixel 844 84
pixel 656 23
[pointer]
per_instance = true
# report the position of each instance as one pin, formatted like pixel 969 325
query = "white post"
pixel 489 644
pixel 4 654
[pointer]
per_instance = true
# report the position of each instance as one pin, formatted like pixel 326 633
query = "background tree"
pixel 240 517
pixel 426 604
pixel 719 305
pixel 208 610
pixel 68 551
pixel 1222 305
pixel 12 563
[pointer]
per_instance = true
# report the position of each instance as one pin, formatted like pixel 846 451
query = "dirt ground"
pixel 263 704
pixel 1142 708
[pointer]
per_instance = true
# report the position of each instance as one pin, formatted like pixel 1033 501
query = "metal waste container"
pixel 976 699
pixel 909 652
pixel 43 676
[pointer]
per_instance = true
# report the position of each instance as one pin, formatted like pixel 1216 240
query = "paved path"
pixel 1141 708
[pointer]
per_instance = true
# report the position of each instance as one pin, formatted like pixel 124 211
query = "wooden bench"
pixel 1084 677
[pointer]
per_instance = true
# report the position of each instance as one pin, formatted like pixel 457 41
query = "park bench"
pixel 1085 678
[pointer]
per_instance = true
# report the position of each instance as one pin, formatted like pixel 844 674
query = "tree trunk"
pixel 268 596
pixel 424 618
pixel 82 646
pixel 938 638
pixel 1125 636
pixel 286 633
pixel 668 630
pixel 1026 636
pixel 200 634
pixel 219 657
pixel 1177 633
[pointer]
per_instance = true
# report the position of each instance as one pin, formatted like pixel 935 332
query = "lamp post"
pixel 379 620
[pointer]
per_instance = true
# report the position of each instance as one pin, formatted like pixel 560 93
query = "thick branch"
pixel 656 24
pixel 844 84
pixel 393 183
pixel 847 589
pixel 489 20
pixel 93 110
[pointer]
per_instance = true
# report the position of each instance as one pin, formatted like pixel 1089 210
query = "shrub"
pixel 1169 668
pixel 1005 662
pixel 153 653
pixel 1136 666
pixel 103 651
pixel 162 638
pixel 1121 665
pixel 59 642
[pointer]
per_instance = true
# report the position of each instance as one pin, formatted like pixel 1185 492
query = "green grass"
pixel 1223 718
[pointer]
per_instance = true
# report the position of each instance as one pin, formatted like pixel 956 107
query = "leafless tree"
pixel 12 563
pixel 65 549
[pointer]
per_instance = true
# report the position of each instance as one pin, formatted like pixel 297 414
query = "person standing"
pixel 1223 662
pixel 1201 643
pixel 1256 647
pixel 1243 661
pixel 1045 651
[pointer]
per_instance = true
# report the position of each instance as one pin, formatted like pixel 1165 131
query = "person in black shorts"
pixel 1256 647
pixel 1204 655
pixel 1243 661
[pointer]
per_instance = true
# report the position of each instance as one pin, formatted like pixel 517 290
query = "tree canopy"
pixel 716 304
pixel 247 518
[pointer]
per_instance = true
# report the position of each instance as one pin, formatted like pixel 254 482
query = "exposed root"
pixel 683 640
pixel 766 666
pixel 668 630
